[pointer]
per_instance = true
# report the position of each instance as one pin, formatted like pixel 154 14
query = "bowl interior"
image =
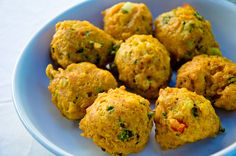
pixel 44 122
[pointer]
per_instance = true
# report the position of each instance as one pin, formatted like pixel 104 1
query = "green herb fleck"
pixel 68 55
pixel 164 114
pixel 55 94
pixel 190 44
pixel 114 49
pixel 110 108
pixel 98 59
pixel 87 33
pixel 150 115
pixel 124 11
pixel 121 123
pixel 91 42
pixel 81 50
pixel 138 141
pixel 63 82
pixel 231 80
pixel 142 103
pixel 191 27
pixel 214 51
pixel 53 50
pixel 149 81
pixel 118 154
pixel 166 19
pixel 135 61
pixel 221 130
pixel 112 66
pixel 188 55
pixel 198 16
pixel 125 135
pixel 89 94
pixel 127 7
pixel 143 17
pixel 195 111
pixel 100 90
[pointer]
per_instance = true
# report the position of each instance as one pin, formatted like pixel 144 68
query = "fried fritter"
pixel 126 19
pixel 182 117
pixel 143 64
pixel 211 76
pixel 80 41
pixel 119 122
pixel 76 87
pixel 185 33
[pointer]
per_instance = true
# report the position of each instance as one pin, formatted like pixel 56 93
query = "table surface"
pixel 20 19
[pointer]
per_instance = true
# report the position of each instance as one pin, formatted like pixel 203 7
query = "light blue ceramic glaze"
pixel 60 136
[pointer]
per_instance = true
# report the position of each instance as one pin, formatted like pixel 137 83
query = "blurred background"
pixel 20 19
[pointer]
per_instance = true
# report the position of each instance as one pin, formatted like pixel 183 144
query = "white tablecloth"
pixel 19 20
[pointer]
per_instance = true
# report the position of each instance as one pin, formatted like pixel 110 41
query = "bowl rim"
pixel 29 126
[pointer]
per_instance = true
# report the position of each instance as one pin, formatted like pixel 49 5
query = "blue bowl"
pixel 62 137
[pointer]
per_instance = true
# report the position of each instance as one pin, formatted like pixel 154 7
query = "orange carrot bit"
pixel 177 125
pixel 185 5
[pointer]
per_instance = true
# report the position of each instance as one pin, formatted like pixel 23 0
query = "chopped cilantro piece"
pixel 121 123
pixel 87 33
pixel 150 115
pixel 63 82
pixel 53 50
pixel 195 111
pixel 166 19
pixel 214 51
pixel 110 108
pixel 221 130
pixel 191 27
pixel 231 80
pixel 81 50
pixel 100 90
pixel 125 135
pixel 198 16
pixel 114 49
pixel 164 114
pixel 127 7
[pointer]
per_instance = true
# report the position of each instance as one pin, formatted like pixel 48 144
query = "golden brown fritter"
pixel 227 100
pixel 143 64
pixel 182 117
pixel 79 41
pixel 119 122
pixel 211 76
pixel 185 33
pixel 126 19
pixel 76 87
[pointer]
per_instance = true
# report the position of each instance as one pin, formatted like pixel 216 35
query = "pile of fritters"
pixel 140 58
